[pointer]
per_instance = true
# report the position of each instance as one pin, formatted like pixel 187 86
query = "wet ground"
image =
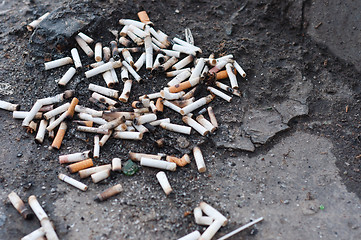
pixel 288 145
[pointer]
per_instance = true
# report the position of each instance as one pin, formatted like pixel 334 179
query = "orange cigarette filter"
pixel 180 87
pixel 76 167
pixel 179 161
pixel 71 109
pixel 144 18
pixel 159 105
pixel 85 123
pixel 59 136
pixel 223 74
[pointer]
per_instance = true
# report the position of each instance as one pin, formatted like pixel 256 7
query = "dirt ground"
pixel 298 118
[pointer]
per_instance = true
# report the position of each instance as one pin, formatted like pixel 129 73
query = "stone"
pixel 290 109
pixel 262 125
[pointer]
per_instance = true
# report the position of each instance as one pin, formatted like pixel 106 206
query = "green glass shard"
pixel 130 168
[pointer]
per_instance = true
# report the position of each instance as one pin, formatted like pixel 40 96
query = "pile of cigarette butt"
pixel 174 58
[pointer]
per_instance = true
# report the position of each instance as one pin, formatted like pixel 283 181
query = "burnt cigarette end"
pixel 68 94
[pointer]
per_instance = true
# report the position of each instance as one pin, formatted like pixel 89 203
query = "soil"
pixel 313 159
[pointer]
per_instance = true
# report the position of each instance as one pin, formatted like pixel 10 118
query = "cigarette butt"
pixel 201 220
pixel 199 103
pixel 105 138
pixel 160 142
pixel 76 167
pixel 176 128
pixel 58 63
pixel 75 157
pixel 116 164
pixel 198 157
pixel 148 162
pixel 84 46
pixel 98 52
pixel 73 182
pixel 20 206
pixel 212 117
pixel 36 22
pixel 164 183
pixel 159 105
pixel 143 17
pixel 138 156
pixel 86 38
pixel 71 109
pixel 181 162
pixel 211 230
pixel 84 123
pixel 76 58
pixel 99 176
pixel 223 74
pixel 191 236
pixel 23 114
pixel 89 171
pixel 9 106
pixel 109 192
pixel 213 213
pixel 180 87
pixel 128 135
pixel 38 234
pixel 205 123
pixel 93 130
pixel 67 76
pixel 41 131
pixel 96 150
pixel 43 218
pixel 59 136
pixel 196 126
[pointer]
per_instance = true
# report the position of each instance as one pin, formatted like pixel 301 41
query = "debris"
pixel 130 168
pixel 241 228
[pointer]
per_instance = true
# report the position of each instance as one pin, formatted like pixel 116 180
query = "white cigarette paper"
pixel 132 71
pixel 38 234
pixel 191 236
pixel 128 135
pixel 84 46
pixel 140 62
pixel 164 183
pixel 98 52
pixel 213 213
pixel 196 126
pixel 138 156
pixel 89 171
pixel 86 38
pixel 176 128
pixel 239 69
pixel 231 76
pixel 73 182
pixel 205 123
pixel 36 22
pixel 67 76
pixel 58 63
pixel 103 68
pixel 103 90
pixel 41 131
pixel 99 176
pixel 9 106
pixel 149 162
pixel 76 58
pixel 116 164
pixel 211 230
pixel 96 147
pixel 201 220
pixel 43 218
pixel 74 157
pixel 219 94
pixel 198 157
pixel 126 91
